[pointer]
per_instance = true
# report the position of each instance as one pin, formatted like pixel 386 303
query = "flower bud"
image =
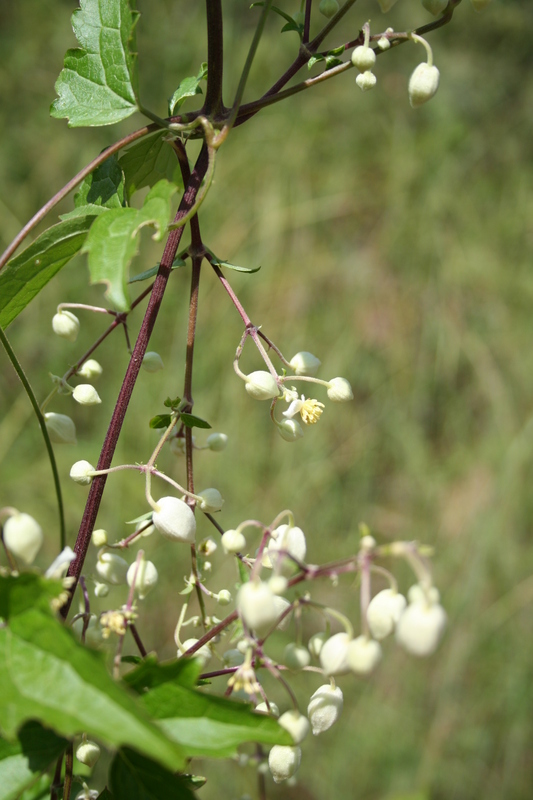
pixel 66 325
pixel 480 5
pixel 59 566
pixel 328 8
pixel 233 541
pixel 290 430
pixel 367 543
pixel 296 724
pixel 365 81
pixel 91 369
pixel 86 395
pixel 420 628
pixel 152 362
pixel 383 43
pixel 174 520
pixel 423 84
pixel 81 472
pixel 146 579
pixel 325 707
pixel 364 58
pixel 255 604
pixel 304 363
pixel 435 7
pixel 261 385
pixel 262 708
pixel 334 654
pixel 61 429
pixel 315 644
pixel 223 598
pixel 88 753
pixel 364 655
pixel 233 658
pixel 101 589
pixel 339 390
pixel 289 539
pixel 283 762
pixel 211 500
pixel 87 794
pixel 384 611
pixel 111 568
pixel 296 657
pixel 203 653
pixel 23 536
pixel 419 594
pixel 99 537
pixel 278 584
pixel 217 442
pixel 386 5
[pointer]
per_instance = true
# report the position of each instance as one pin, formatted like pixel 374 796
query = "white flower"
pixel 296 657
pixel 365 81
pixel 289 539
pixel 59 566
pixel 325 707
pixel 211 500
pixel 339 390
pixel 309 409
pixel 203 653
pixel 304 363
pixel 23 536
pixel 364 58
pixel 262 708
pixel 99 537
pixel 296 724
pixel 315 643
pixel 81 472
pixel 363 655
pixel 280 605
pixel 261 385
pixel 174 520
pixel 111 568
pixel 146 577
pixel 91 369
pixel 283 762
pixel 66 325
pixel 61 429
pixel 423 84
pixel 217 442
pixel 86 395
pixel 290 430
pixel 152 362
pixel 223 598
pixel 384 611
pixel 256 604
pixel 420 628
pixel 233 541
pixel 88 752
pixel 278 584
pixel 334 654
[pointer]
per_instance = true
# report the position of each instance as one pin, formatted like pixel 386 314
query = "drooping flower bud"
pixel 233 541
pixel 364 58
pixel 296 657
pixel 363 655
pixel 101 589
pixel 99 537
pixel 420 628
pixel 283 762
pixel 111 568
pixel 435 7
pixel 66 325
pixel 334 654
pixel 296 724
pixel 365 81
pixel 304 363
pixel 421 594
pixel 325 707
pixel 211 500
pixel 203 653
pixel 223 598
pixel 146 577
pixel 81 472
pixel 23 536
pixel 291 540
pixel 87 794
pixel 423 84
pixel 255 604
pixel 152 362
pixel 383 43
pixel 61 429
pixel 88 752
pixel 217 442
pixel 290 430
pixel 174 520
pixel 261 385
pixel 91 369
pixel 315 643
pixel 278 584
pixel 328 8
pixel 59 566
pixel 86 395
pixel 262 708
pixel 386 5
pixel 339 390
pixel 384 611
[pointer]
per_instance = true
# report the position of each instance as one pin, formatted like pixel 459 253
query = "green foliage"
pixel 135 777
pixel 148 161
pixel 98 83
pixel 189 87
pixel 191 421
pixel 101 190
pixel 23 761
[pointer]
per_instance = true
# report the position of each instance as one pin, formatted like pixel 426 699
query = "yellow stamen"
pixel 311 411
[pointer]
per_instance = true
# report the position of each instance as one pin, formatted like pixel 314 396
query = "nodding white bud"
pixel 383 43
pixel 480 5
pixel 386 5
pixel 367 543
pixel 99 537
pixel 435 7
pixel 291 540
pixel 23 536
pixel 101 589
pixel 146 577
pixel 278 584
pixel 207 547
pixel 88 753
pixel 334 654
pixel 328 8
pixel 262 708
pixel 217 441
pixel 339 390
pixel 296 724
pixel 304 363
pixel 419 594
pixel 174 520
pixel 364 58
pixel 255 604
pixel 296 657
pixel 152 362
pixel 211 500
pixel 384 611
pixel 365 81
pixel 315 643
pixel 283 762
pixel 111 568
pixel 290 430
pixel 66 325
pixel 420 628
pixel 233 541
pixel 363 655
pixel 423 84
pixel 223 598
pixel 203 653
pixel 261 385
pixel 86 395
pixel 59 566
pixel 61 429
pixel 325 707
pixel 233 658
pixel 81 472
pixel 91 369
pixel 87 794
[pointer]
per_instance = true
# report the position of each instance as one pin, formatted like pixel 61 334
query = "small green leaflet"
pixel 22 761
pixel 97 85
pixel 113 240
pixel 151 673
pixel 220 263
pixel 135 777
pixel 148 161
pixel 102 190
pixel 26 274
pixel 187 88
pixel 190 421
pixel 160 421
pixel 152 272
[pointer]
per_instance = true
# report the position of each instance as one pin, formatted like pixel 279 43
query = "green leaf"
pixel 314 60
pixel 337 51
pixel 113 240
pixel 193 422
pixel 331 62
pixel 160 421
pixel 47 675
pixel 25 275
pixel 134 777
pixel 149 273
pixel 218 262
pixel 151 673
pixel 187 88
pixel 97 84
pixel 105 794
pixel 206 725
pixel 22 762
pixel 148 161
pixel 39 790
pixel 22 592
pixel 103 187
pixel 293 26
pixel 172 402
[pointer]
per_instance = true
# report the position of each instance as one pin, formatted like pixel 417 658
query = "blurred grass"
pixel 396 245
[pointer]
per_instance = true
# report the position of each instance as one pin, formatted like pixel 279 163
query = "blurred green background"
pixel 396 246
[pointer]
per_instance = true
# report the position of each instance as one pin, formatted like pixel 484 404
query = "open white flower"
pixel 309 409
